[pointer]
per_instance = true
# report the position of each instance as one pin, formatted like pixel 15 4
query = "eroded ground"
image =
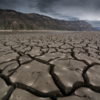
pixel 50 66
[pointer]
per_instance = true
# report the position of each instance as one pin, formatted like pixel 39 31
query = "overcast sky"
pixel 60 9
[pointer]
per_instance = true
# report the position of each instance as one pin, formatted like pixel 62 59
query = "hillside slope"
pixel 10 19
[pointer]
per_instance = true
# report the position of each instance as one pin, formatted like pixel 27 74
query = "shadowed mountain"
pixel 97 28
pixel 10 19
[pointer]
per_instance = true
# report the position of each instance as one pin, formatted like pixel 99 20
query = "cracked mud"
pixel 50 66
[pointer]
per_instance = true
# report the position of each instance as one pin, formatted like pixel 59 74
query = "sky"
pixel 88 10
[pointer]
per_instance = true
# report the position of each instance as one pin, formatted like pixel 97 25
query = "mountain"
pixel 10 19
pixel 95 24
pixel 97 28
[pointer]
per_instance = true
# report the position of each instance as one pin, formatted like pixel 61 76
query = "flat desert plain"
pixel 49 66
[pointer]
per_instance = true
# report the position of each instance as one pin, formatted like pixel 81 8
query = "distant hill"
pixel 10 19
pixel 97 28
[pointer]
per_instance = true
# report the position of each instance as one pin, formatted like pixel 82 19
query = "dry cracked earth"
pixel 50 66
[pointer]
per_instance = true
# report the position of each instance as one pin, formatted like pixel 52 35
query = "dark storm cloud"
pixel 77 9
pixel 19 5
pixel 62 9
pixel 5 4
pixel 44 5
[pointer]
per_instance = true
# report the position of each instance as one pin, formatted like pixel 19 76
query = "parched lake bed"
pixel 47 66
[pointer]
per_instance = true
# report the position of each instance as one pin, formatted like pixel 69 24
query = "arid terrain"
pixel 13 20
pixel 47 66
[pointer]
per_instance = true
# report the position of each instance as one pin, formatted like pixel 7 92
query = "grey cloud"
pixel 80 9
pixel 61 9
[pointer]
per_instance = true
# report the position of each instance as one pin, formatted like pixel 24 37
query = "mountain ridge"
pixel 11 19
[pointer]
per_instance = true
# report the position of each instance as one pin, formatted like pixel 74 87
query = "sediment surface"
pixel 50 66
